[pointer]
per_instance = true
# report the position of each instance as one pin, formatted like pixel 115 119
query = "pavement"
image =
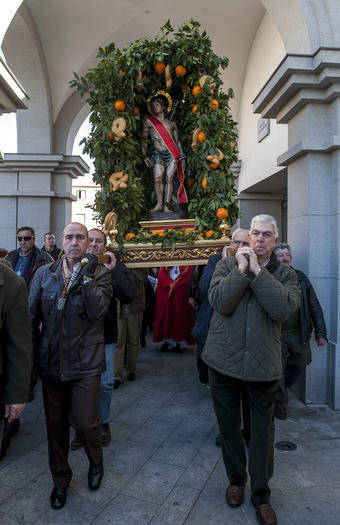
pixel 163 467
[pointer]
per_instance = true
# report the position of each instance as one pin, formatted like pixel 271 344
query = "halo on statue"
pixel 164 96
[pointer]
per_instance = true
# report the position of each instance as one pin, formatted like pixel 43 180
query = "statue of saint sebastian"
pixel 167 157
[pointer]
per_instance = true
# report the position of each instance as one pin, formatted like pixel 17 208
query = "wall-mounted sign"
pixel 263 128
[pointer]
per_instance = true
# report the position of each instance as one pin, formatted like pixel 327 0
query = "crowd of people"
pixel 78 324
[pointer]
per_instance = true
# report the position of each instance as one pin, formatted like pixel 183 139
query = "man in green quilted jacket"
pixel 251 294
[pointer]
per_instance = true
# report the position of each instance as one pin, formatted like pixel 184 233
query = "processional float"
pixel 163 142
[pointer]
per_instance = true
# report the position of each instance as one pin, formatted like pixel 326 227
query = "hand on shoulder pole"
pixel 89 263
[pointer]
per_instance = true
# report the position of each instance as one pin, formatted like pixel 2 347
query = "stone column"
pixel 304 92
pixel 36 190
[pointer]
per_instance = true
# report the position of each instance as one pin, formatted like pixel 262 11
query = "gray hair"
pixel 265 218
pixel 283 246
pixel 238 230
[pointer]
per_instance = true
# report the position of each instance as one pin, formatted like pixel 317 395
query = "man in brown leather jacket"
pixel 69 299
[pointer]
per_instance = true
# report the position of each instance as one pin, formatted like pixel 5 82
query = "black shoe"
pixel 143 343
pixel 58 498
pixel 95 476
pixel 76 444
pixel 116 384
pixel 165 347
pixel 218 440
pixel 131 376
pixel 177 348
pixel 280 412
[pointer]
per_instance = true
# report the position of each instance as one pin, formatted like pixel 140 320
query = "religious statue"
pixel 168 156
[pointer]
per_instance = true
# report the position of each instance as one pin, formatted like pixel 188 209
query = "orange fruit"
pixel 204 183
pixel 209 233
pixel 160 67
pixel 135 110
pixel 189 183
pixel 122 72
pixel 194 109
pixel 214 104
pixel 213 165
pixel 180 71
pixel 120 105
pixel 184 86
pixel 196 90
pixel 111 136
pixel 201 137
pixel 129 236
pixel 161 233
pixel 222 213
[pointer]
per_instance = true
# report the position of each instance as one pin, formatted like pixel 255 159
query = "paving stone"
pixel 129 457
pixel 315 463
pixel 307 506
pixel 121 432
pixel 154 431
pixel 64 516
pixel 29 502
pixel 125 510
pixel 19 472
pixel 216 511
pixel 198 471
pixel 5 491
pixel 83 500
pixel 7 519
pixel 136 414
pixel 176 507
pixel 153 482
pixel 173 412
pixel 209 446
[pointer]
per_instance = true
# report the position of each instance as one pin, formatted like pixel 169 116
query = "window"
pixel 81 194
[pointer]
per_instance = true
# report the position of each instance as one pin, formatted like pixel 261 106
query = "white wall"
pixel 80 210
pixel 259 159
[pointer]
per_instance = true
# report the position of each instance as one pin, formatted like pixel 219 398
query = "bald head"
pixel 74 241
pixel 77 225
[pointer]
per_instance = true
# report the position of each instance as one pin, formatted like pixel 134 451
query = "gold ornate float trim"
pixel 153 255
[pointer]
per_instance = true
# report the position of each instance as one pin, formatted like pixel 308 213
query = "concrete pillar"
pixel 252 204
pixel 304 92
pixel 36 190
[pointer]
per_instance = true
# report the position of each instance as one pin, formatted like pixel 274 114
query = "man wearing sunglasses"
pixel 28 258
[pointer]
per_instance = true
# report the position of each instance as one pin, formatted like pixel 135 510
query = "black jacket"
pixel 70 344
pixel 37 259
pixel 124 290
pixel 54 253
pixel 311 314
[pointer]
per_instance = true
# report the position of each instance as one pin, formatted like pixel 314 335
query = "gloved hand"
pixel 89 264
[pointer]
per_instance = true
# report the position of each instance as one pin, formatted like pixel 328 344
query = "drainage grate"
pixel 285 445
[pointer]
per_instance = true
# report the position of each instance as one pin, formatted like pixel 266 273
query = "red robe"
pixel 173 313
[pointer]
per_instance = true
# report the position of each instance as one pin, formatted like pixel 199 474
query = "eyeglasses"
pixel 241 243
pixel 25 238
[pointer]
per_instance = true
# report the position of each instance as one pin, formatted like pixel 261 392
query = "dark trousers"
pixel 71 403
pixel 202 368
pixel 227 393
pixel 294 360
